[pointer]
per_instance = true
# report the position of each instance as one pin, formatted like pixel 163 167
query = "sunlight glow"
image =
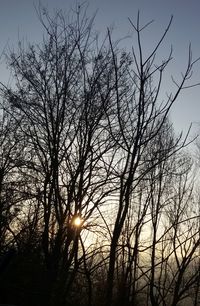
pixel 77 221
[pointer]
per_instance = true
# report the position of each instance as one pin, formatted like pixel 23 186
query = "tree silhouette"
pixel 94 184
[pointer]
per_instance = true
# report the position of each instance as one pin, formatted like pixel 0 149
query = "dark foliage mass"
pixel 98 204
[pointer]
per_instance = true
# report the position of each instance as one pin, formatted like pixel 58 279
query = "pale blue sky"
pixel 18 20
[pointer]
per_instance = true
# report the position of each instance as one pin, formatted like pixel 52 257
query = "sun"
pixel 77 221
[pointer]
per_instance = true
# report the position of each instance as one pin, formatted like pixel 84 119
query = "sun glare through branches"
pixel 77 221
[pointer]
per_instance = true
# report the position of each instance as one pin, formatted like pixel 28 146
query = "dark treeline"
pixel 85 133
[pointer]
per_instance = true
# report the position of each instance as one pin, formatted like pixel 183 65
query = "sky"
pixel 19 21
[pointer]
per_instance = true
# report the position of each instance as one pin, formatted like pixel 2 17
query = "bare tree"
pixel 139 119
pixel 98 157
pixel 62 99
